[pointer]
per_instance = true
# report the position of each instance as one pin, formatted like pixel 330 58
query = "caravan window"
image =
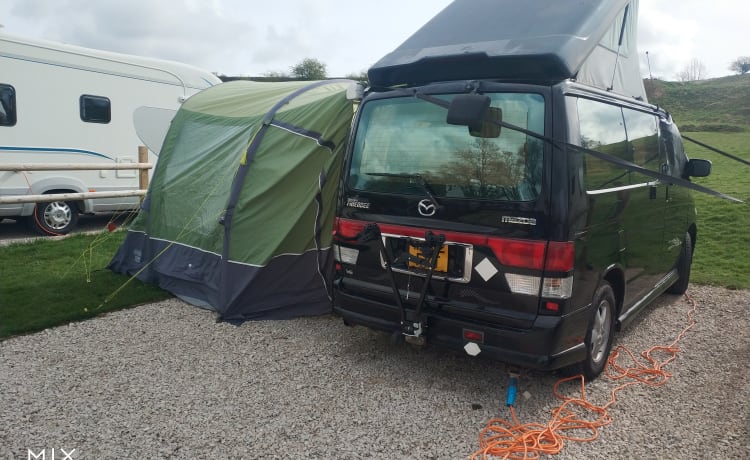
pixel 95 109
pixel 7 105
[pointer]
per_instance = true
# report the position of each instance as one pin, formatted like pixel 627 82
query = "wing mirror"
pixel 474 111
pixel 697 168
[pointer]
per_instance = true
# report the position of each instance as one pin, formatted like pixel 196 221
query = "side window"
pixel 643 137
pixel 602 128
pixel 7 105
pixel 95 109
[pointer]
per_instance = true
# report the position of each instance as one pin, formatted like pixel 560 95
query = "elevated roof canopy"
pixel 529 41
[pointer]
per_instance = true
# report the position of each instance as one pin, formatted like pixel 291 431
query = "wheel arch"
pixel 79 204
pixel 615 276
pixel 63 184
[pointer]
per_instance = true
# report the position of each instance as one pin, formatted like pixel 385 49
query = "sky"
pixel 254 38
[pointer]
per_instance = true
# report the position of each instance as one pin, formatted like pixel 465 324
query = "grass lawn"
pixel 52 282
pixel 716 112
pixel 722 254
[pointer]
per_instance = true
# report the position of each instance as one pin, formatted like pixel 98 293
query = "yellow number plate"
pixel 440 266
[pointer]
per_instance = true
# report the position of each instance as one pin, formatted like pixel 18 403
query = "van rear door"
pixel 410 172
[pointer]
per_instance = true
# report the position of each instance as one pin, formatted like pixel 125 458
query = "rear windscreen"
pixel 403 144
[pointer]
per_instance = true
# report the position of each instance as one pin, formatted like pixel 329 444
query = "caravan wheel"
pixel 55 218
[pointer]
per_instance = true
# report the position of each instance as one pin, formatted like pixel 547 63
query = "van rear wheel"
pixel 54 218
pixel 599 335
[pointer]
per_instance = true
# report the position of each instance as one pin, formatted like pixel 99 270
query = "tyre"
pixel 599 335
pixel 55 218
pixel 683 267
pixel 22 221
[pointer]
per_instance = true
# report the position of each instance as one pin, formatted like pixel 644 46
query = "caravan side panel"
pixel 73 105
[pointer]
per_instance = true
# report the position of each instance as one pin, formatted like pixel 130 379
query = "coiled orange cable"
pixel 506 440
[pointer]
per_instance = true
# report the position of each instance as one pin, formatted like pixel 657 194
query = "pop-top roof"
pixel 529 40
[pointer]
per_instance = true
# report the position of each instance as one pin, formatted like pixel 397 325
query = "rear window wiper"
pixel 419 177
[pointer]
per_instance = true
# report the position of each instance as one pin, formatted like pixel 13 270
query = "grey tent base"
pixel 196 277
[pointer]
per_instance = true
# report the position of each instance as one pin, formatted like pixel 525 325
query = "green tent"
pixel 240 208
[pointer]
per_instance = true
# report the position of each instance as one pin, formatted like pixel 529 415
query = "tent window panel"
pixel 190 183
pixel 7 105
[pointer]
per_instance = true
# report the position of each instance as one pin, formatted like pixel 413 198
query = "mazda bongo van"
pixel 509 205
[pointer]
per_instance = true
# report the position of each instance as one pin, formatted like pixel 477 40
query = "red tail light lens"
pixel 473 336
pixel 347 228
pixel 516 253
pixel 560 256
pixel 531 254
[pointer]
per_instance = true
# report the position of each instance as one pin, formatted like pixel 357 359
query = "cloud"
pixel 668 40
pixel 241 37
pixel 712 32
pixel 187 31
pixel 228 36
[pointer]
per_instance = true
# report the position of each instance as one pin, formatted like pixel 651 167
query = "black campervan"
pixel 506 188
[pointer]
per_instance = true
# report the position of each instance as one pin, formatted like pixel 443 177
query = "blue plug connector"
pixel 510 398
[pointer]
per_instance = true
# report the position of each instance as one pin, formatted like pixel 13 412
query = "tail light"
pixel 347 228
pixel 560 256
pixel 550 256
pixel 518 253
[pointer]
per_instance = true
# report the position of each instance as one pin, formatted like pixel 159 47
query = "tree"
pixel 484 170
pixel 310 69
pixel 360 77
pixel 741 65
pixel 694 70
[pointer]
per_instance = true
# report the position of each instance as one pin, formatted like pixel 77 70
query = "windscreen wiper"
pixel 425 186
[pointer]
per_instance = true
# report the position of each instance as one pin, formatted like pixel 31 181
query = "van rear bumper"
pixel 528 348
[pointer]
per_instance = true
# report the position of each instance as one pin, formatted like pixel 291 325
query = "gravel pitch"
pixel 166 381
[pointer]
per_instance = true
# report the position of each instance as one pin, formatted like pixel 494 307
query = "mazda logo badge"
pixel 426 208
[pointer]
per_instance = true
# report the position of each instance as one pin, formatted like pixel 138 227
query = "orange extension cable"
pixel 506 440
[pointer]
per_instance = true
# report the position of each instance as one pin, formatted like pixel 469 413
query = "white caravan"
pixel 66 104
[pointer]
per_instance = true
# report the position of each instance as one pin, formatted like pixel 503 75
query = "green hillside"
pixel 714 105
pixel 716 112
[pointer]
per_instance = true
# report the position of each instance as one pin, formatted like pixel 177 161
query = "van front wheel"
pixel 599 335
pixel 683 267
pixel 55 218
